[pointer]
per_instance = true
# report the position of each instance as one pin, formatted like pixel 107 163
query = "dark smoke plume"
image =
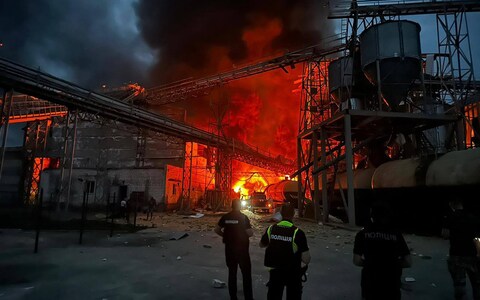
pixel 185 31
pixel 87 42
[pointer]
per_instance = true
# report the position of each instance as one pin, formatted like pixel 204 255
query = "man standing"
pixel 287 255
pixel 123 209
pixel 236 230
pixel 462 227
pixel 150 208
pixel 382 252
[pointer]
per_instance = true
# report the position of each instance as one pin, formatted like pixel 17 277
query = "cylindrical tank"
pixel 346 80
pixel 283 191
pixel 396 47
pixel 396 174
pixel 340 78
pixel 455 168
pixel 362 179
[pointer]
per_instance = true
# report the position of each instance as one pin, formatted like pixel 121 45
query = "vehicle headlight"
pixel 244 203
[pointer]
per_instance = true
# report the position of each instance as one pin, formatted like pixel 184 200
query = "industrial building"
pixel 376 113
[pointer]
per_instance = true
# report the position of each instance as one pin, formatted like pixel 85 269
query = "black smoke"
pixel 88 42
pixel 184 31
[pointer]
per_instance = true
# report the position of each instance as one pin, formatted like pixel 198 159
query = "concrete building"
pixel 115 160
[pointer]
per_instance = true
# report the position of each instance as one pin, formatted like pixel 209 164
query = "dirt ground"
pixel 149 264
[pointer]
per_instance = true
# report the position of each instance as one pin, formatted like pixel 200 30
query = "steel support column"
pixel 141 147
pixel 223 175
pixel 63 161
pixel 323 141
pixel 316 190
pixel 349 169
pixel 5 106
pixel 299 177
pixel 72 157
pixel 36 135
pixel 187 177
pixel 379 86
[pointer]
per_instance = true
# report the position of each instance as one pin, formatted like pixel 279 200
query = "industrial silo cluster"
pixel 393 97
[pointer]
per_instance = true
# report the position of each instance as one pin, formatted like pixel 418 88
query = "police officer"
pixel 287 255
pixel 235 229
pixel 382 252
pixel 462 227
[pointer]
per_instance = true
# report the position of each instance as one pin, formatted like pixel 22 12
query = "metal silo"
pixel 391 58
pixel 347 81
pixel 340 78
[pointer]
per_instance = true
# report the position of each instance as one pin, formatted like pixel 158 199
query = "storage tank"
pixel 397 174
pixel 346 81
pixel 396 47
pixel 283 191
pixel 457 168
pixel 362 179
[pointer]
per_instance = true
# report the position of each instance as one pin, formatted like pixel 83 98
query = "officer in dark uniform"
pixel 235 229
pixel 462 227
pixel 287 255
pixel 382 252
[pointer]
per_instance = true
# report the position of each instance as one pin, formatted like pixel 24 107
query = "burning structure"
pixel 370 100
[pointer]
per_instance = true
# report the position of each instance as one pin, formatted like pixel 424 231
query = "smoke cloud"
pixel 187 31
pixel 88 42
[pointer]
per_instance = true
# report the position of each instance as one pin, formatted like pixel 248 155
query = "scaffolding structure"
pixel 45 97
pixel 36 134
pixel 333 135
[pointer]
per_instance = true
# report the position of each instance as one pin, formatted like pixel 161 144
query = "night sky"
pixel 120 41
pixel 115 42
pixel 88 42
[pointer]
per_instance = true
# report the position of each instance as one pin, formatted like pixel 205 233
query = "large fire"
pixel 248 179
pixel 40 164
pixel 259 110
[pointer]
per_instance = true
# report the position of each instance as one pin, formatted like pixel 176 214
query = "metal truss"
pixel 458 80
pixel 26 109
pixel 183 90
pixel 374 8
pixel 185 201
pixel 36 135
pixel 127 93
pixel 223 177
pixel 45 86
pixel 67 159
pixel 141 148
pixel 316 104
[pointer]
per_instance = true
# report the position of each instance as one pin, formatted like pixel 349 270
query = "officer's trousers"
pixel 381 284
pixel 235 257
pixel 284 278
pixel 460 267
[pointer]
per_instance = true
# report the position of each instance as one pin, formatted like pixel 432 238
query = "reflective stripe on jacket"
pixel 282 249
